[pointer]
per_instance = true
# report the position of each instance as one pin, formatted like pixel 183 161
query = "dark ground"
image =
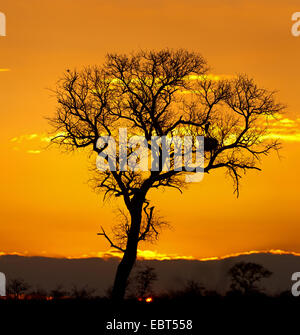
pixel 210 315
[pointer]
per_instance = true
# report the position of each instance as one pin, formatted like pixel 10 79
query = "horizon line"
pixel 153 255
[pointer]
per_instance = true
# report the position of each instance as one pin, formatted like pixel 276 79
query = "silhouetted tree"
pixel 144 280
pixel 16 287
pixel 192 290
pixel 246 276
pixel 159 93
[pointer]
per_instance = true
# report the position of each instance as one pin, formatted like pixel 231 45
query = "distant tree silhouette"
pixel 192 290
pixel 144 280
pixel 246 276
pixel 159 93
pixel 16 287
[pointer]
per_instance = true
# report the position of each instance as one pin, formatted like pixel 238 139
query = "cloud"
pixel 33 151
pixel 154 255
pixel 210 76
pixel 4 70
pixel 31 143
pixel 141 254
pixel 150 254
pixel 29 137
pixel 269 251
pixel 2 253
pixel 287 121
pixel 284 129
pixel 284 137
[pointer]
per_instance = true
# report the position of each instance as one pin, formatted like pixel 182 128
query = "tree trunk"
pixel 129 257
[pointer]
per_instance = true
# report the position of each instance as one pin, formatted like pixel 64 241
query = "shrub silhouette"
pixel 82 293
pixel 17 287
pixel 59 292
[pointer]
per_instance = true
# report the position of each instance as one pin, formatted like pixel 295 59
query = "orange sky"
pixel 46 206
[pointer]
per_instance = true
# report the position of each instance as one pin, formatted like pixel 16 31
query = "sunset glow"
pixel 47 205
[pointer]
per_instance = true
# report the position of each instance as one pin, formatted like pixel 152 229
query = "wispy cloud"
pixel 29 137
pixel 2 253
pixel 252 252
pixel 4 70
pixel 31 143
pixel 154 255
pixel 33 152
pixel 284 129
pixel 150 254
pixel 210 76
pixel 141 254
